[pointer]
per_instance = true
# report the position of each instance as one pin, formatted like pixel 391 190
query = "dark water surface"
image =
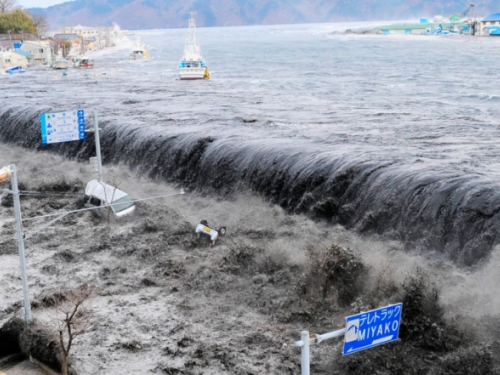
pixel 393 135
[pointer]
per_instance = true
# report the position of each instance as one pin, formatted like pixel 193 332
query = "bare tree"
pixel 74 317
pixel 41 22
pixel 7 5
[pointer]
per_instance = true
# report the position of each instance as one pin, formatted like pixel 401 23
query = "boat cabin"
pixel 192 64
pixel 85 63
pixel 111 201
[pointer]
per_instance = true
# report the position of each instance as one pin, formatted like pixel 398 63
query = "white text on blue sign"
pixel 372 328
pixel 62 126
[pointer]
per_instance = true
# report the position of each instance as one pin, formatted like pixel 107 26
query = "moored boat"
pixel 192 65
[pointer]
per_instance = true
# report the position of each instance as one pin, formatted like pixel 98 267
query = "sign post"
pixel 69 126
pixel 307 340
pixel 62 126
pixel 97 147
pixel 362 331
pixel 304 352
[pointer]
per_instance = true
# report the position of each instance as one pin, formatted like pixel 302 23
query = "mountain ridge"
pixel 149 14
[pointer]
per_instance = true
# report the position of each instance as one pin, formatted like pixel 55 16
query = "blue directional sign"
pixel 372 328
pixel 63 126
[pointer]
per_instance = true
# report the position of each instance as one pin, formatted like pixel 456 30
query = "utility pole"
pixel 97 147
pixel 5 173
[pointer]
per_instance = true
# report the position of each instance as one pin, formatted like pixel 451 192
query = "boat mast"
pixel 192 49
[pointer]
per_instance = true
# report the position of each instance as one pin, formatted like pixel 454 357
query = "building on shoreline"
pixel 489 25
pixel 40 50
pixel 95 38
pixel 15 57
pixel 419 28
pixel 24 50
pixel 82 31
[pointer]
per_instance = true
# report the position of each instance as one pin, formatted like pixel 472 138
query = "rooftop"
pixel 493 17
pixel 67 36
pixel 23 53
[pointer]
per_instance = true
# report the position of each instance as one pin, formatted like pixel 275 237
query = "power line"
pixel 98 207
pixel 43 194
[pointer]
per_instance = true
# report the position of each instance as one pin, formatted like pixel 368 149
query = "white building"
pixel 41 50
pixel 488 25
pixel 85 32
pixel 12 58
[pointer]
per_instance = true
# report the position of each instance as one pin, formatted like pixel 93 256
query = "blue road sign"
pixel 372 328
pixel 63 126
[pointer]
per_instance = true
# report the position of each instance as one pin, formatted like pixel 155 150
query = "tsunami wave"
pixel 454 213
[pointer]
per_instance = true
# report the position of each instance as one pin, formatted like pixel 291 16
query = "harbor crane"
pixel 466 11
pixel 471 27
pixel 455 18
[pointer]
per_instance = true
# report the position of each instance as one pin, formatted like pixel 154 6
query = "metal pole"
pixel 307 340
pixel 329 335
pixel 20 244
pixel 304 351
pixel 97 147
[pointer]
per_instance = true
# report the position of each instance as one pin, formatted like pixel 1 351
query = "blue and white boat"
pixel 192 65
pixel 15 70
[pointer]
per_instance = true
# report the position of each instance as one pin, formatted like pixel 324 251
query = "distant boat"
pixel 139 51
pixel 192 65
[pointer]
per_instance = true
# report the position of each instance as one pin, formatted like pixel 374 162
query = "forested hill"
pixel 147 14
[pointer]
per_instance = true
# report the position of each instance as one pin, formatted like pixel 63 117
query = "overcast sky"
pixel 38 3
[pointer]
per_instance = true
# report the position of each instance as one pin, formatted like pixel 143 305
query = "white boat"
pixel 139 51
pixel 60 62
pixel 192 65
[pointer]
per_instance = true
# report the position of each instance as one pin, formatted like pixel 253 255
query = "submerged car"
pixel 111 201
pixel 213 233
